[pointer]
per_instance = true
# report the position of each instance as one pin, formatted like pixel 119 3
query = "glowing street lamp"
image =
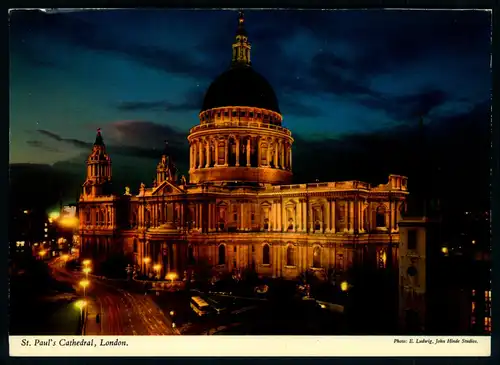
pixel 146 262
pixel 65 257
pixel 54 215
pixel 80 304
pixel 87 270
pixel 444 250
pixel 84 284
pixel 344 286
pixel 157 267
pixel 86 262
pixel 42 253
pixel 172 276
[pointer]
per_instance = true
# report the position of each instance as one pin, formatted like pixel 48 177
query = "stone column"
pixel 298 223
pixel 210 217
pixel 207 146
pixel 248 152
pixel 226 161
pixel 393 216
pixel 268 155
pixel 259 151
pixel 242 216
pixel 280 216
pixel 333 226
pixel 200 153
pixel 327 226
pixel 282 155
pixel 290 158
pixel 311 218
pixel 216 152
pixel 351 216
pixel 275 154
pixel 304 215
pixel 237 151
pixel 272 217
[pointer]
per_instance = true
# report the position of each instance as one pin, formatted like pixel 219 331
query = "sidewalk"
pixel 92 328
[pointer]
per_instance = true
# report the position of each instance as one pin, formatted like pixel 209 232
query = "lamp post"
pixel 157 269
pixel 84 284
pixel 87 270
pixel 146 261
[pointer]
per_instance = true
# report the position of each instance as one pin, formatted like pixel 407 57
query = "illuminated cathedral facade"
pixel 239 208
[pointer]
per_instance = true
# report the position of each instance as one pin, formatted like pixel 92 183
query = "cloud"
pixel 74 29
pixel 131 138
pixel 407 106
pixel 43 146
pixel 192 101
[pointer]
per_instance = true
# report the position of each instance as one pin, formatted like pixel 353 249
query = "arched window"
pixel 380 217
pixel 222 255
pixel 266 254
pixel 317 257
pixel 290 256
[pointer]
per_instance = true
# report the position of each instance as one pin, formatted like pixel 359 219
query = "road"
pixel 121 312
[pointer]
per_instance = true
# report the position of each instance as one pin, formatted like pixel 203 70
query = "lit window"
pixel 473 307
pixel 487 324
pixel 46 224
pixel 487 296
pixel 473 292
pixel 45 230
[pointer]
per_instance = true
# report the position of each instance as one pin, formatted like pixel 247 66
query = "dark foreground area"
pixel 38 305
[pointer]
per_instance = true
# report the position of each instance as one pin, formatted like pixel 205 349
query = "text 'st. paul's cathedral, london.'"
pixel 239 209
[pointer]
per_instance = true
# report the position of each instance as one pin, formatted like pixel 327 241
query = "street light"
pixel 344 286
pixel 157 268
pixel 80 304
pixel 146 261
pixel 86 262
pixel 42 253
pixel 65 257
pixel 86 270
pixel 172 276
pixel 84 284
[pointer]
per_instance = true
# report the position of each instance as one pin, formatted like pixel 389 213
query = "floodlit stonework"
pixel 239 209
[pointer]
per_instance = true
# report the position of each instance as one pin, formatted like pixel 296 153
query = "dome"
pixel 241 86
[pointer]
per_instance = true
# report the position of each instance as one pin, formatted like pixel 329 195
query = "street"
pixel 121 312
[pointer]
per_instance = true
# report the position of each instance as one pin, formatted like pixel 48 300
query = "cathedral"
pixel 239 208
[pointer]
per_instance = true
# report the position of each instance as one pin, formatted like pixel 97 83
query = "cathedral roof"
pixel 241 85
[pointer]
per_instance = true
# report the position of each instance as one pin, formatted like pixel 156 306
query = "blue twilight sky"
pixel 140 75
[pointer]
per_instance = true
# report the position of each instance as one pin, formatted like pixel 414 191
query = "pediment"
pixel 166 188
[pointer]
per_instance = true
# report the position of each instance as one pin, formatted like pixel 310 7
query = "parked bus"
pixel 199 306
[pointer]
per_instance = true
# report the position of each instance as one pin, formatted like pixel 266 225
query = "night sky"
pixel 351 85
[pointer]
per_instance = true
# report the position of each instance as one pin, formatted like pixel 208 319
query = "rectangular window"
pixel 253 217
pixel 226 114
pixel 473 307
pixel 234 114
pixel 253 248
pixel 412 239
pixel 235 217
pixel 218 115
pixel 242 114
pixel 251 114
pixel 258 115
pixel 487 324
pixel 234 248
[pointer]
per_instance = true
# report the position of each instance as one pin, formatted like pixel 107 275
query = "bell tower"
pixel 98 169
